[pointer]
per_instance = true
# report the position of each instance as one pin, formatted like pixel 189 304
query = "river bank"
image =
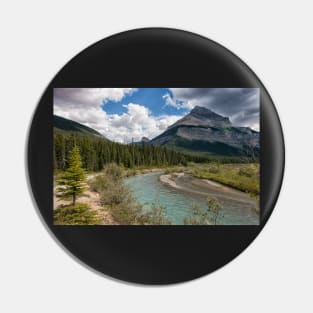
pixel 192 185
pixel 178 181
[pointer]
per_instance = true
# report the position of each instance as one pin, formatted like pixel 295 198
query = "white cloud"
pixel 176 101
pixel 83 105
pixel 88 97
pixel 136 123
pixel 170 101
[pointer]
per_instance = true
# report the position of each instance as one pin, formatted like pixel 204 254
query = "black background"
pixel 155 58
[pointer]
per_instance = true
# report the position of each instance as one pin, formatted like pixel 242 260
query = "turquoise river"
pixel 238 208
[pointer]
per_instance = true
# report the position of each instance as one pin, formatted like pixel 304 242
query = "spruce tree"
pixel 72 182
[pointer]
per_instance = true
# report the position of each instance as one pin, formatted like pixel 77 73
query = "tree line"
pixel 96 152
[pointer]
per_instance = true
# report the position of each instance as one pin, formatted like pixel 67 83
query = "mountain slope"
pixel 203 131
pixel 65 125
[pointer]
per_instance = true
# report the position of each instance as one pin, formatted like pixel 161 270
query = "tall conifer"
pixel 73 181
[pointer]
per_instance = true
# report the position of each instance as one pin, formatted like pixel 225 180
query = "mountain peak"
pixel 198 108
pixel 201 116
pixel 205 113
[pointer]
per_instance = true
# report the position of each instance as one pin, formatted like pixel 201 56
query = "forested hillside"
pixel 62 124
pixel 97 152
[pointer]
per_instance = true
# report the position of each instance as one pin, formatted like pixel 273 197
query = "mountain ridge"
pixel 207 132
pixel 66 125
pixel 201 131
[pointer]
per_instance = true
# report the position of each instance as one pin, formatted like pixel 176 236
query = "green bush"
pixel 128 214
pixel 115 193
pixel 99 183
pixel 157 215
pixel 113 171
pixel 80 214
pixel 206 216
pixel 196 216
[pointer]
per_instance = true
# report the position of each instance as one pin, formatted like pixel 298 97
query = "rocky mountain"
pixel 61 124
pixel 206 132
pixel 200 116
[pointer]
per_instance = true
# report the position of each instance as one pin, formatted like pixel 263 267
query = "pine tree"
pixel 72 181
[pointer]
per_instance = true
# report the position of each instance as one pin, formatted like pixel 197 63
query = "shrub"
pixel 128 214
pixel 213 209
pixel 206 216
pixel 113 171
pixel 157 215
pixel 80 214
pixel 196 217
pixel 99 183
pixel 114 194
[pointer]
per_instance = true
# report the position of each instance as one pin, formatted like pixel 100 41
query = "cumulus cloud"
pixel 88 97
pixel 84 105
pixel 138 122
pixel 241 105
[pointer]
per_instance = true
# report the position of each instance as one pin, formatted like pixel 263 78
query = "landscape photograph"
pixel 156 156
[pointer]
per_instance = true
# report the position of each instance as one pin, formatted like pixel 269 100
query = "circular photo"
pixel 155 156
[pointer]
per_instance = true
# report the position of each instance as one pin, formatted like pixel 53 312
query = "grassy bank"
pixel 244 177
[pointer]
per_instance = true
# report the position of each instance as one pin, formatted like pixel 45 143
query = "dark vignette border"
pixel 155 57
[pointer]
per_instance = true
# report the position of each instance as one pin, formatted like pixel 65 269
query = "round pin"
pixel 155 156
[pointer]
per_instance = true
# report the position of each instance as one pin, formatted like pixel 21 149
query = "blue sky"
pixel 153 98
pixel 125 114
